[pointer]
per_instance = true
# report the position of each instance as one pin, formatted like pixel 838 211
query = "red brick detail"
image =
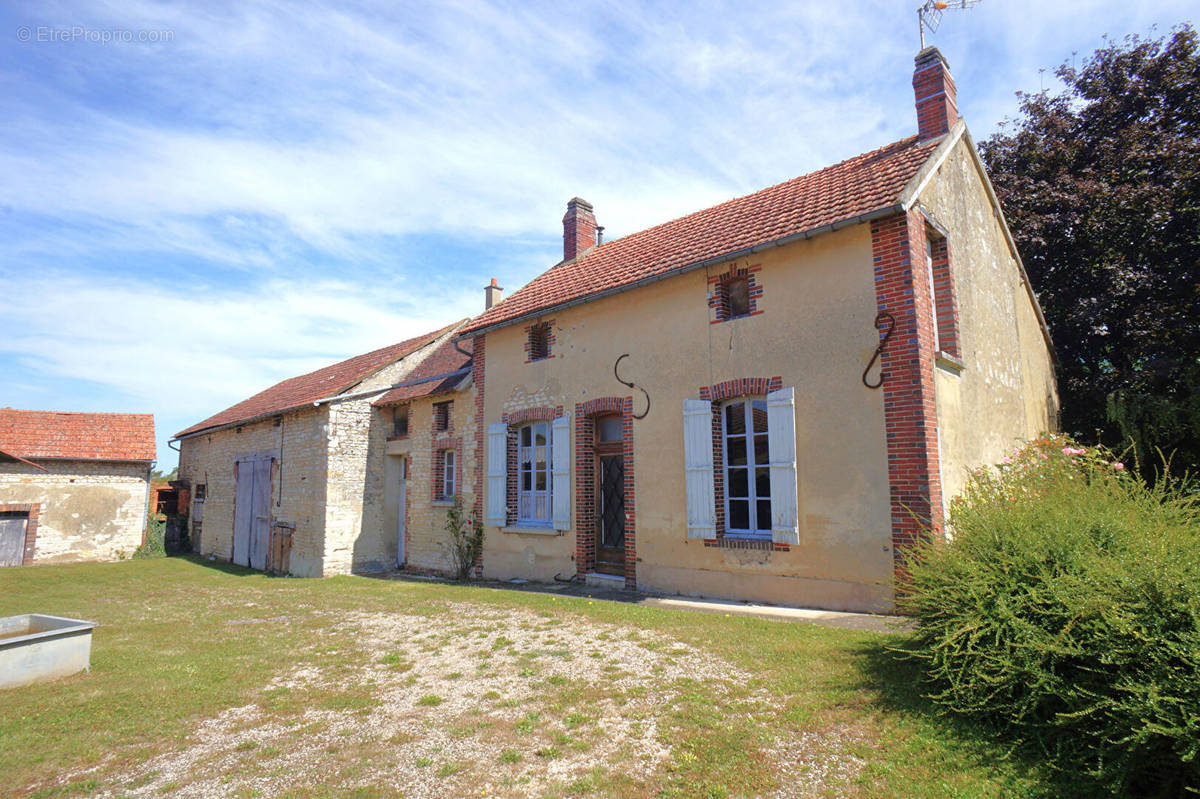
pixel 545 327
pixel 910 411
pixel 945 297
pixel 477 377
pixel 438 469
pixel 741 387
pixel 718 298
pixel 579 228
pixel 586 414
pixel 514 421
pixel 34 509
pixel 937 106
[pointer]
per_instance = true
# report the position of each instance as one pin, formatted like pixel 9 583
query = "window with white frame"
pixel 533 473
pixel 448 474
pixel 746 448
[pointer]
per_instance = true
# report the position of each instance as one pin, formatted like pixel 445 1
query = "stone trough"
pixel 36 647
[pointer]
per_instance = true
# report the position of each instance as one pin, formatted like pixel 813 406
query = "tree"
pixel 1101 188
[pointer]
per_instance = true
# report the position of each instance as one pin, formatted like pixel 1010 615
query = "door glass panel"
pixel 609 428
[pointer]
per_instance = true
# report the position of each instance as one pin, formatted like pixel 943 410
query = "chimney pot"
pixel 491 294
pixel 579 228
pixel 936 95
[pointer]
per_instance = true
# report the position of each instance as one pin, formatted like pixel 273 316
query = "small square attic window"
pixel 737 297
pixel 539 342
pixel 400 421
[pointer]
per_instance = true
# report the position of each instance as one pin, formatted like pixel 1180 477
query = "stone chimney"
pixel 579 229
pixel 491 294
pixel 937 108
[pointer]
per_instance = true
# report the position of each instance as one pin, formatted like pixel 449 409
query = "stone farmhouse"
pixel 73 486
pixel 768 400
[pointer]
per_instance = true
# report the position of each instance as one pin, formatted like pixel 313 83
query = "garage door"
pixel 12 538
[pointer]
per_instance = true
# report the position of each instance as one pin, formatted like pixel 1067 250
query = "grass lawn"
pixel 212 680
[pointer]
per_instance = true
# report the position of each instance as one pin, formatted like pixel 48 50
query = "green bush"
pixel 1066 609
pixel 466 539
pixel 154 546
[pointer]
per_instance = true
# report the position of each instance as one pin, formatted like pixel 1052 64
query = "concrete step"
pixel 609 581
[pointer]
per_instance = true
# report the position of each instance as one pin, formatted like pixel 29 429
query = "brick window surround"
pixel 438 465
pixel 586 414
pixel 514 421
pixel 898 244
pixel 717 394
pixel 34 510
pixel 718 288
pixel 539 341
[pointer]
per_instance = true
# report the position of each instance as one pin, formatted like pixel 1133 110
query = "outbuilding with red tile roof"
pixel 73 486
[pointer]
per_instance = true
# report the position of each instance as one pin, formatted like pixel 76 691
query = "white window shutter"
pixel 781 444
pixel 560 471
pixel 698 461
pixel 497 473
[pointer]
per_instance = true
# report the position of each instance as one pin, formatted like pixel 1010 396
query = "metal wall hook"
pixel 882 316
pixel 624 382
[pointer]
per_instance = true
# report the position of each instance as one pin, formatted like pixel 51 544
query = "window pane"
pixel 736 452
pixel 739 483
pixel 762 451
pixel 609 429
pixel 539 434
pixel 735 418
pixel 764 514
pixel 526 481
pixel 760 416
pixel 526 432
pixel 739 514
pixel 762 482
pixel 539 483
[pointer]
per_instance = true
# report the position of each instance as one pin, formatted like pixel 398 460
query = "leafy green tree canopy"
pixel 1101 187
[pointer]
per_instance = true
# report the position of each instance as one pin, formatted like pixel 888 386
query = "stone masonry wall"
pixel 89 510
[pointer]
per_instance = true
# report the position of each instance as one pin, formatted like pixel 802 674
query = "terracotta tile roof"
pixel 77 436
pixel 442 361
pixel 296 392
pixel 869 182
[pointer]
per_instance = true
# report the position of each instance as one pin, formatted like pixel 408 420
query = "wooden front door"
pixel 610 506
pixel 12 538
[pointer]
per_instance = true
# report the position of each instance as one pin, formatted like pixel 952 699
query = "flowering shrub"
pixel 1066 607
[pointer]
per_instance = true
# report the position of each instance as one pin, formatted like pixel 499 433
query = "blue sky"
pixel 271 186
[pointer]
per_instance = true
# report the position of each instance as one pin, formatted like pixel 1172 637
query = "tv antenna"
pixel 929 16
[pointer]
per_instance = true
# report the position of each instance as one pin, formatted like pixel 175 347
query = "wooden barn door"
pixel 252 511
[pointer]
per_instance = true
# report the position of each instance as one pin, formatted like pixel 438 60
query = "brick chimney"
pixel 937 108
pixel 579 229
pixel 491 294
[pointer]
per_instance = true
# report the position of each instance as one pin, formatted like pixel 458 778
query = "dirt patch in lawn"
pixel 475 701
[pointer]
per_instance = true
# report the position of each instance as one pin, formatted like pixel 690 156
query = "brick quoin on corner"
pixel 907 363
